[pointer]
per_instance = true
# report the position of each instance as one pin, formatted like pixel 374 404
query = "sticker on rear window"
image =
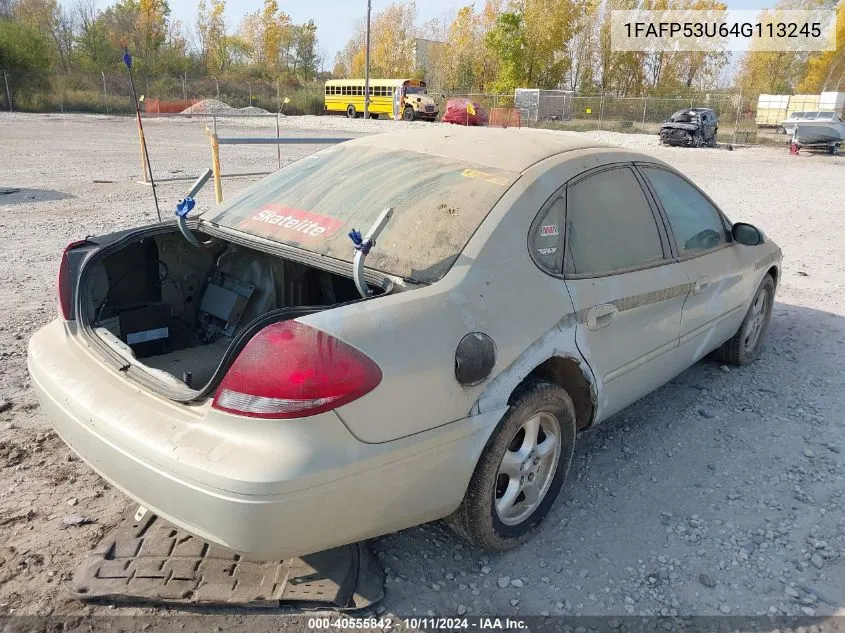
pixel 294 223
pixel 548 230
pixel 483 175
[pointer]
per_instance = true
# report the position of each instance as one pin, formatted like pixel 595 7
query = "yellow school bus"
pixel 412 100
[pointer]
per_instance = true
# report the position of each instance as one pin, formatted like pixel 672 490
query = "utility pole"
pixel 367 65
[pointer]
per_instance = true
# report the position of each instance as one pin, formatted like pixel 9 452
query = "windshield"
pixel 437 203
pixel 414 90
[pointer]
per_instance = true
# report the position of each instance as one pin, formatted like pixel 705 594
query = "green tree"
pixel 25 55
pixel 92 51
pixel 49 18
pixel 306 58
pixel 507 42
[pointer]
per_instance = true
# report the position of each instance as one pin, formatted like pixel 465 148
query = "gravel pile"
pixel 209 106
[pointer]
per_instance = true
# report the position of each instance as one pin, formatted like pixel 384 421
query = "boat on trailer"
pixel 815 130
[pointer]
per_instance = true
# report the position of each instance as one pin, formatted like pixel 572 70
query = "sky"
pixel 336 19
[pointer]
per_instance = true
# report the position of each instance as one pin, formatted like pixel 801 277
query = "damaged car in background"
pixel 691 127
pixel 247 383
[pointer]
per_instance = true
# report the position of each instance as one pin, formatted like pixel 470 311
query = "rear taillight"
pixel 65 283
pixel 291 370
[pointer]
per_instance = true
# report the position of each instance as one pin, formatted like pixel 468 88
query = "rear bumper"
pixel 265 489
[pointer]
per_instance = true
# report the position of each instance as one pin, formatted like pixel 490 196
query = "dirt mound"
pixel 253 110
pixel 209 106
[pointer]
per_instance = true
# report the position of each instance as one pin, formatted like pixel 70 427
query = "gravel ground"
pixel 721 493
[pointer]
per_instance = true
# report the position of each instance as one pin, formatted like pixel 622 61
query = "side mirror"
pixel 747 234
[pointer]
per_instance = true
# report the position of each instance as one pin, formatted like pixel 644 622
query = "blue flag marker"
pixel 127 59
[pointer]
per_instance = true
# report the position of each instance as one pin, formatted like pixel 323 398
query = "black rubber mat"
pixel 147 560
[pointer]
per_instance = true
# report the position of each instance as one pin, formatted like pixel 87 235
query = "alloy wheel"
pixel 756 321
pixel 527 468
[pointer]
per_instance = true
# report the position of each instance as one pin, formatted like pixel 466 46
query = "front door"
pixel 718 268
pixel 626 288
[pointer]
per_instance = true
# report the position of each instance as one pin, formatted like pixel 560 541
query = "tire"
pixel 484 517
pixel 408 113
pixel 351 113
pixel 374 116
pixel 736 350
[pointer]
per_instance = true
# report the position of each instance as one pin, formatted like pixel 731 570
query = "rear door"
pixel 719 270
pixel 626 288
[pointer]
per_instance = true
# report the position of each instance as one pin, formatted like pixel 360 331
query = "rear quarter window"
pixel 313 203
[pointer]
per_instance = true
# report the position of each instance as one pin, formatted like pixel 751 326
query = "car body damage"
pixel 549 357
pixel 692 127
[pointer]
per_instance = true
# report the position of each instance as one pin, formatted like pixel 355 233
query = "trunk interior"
pixel 175 308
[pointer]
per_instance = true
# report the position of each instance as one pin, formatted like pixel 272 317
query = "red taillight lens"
pixel 291 370
pixel 65 283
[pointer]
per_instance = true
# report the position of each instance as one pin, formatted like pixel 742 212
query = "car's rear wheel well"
pixel 566 372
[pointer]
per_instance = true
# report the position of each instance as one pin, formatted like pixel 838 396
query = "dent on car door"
pixel 719 270
pixel 626 289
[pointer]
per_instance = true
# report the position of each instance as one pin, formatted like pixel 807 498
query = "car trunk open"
pixel 174 316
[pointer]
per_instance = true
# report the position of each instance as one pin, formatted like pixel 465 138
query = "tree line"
pixel 499 45
pixel 42 38
pixel 487 46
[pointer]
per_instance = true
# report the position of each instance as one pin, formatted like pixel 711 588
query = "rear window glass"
pixel 313 204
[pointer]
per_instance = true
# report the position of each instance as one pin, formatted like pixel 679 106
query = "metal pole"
pixel 278 101
pixel 8 92
pixel 61 94
pixel 601 109
pixel 249 83
pixel 105 94
pixel 645 104
pixel 278 147
pixel 145 155
pixel 217 83
pixel 184 86
pixel 736 121
pixel 367 66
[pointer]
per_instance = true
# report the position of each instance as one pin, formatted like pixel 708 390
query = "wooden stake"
pixel 215 165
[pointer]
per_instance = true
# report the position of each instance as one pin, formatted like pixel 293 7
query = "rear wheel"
pixel 521 470
pixel 374 115
pixel 351 113
pixel 744 346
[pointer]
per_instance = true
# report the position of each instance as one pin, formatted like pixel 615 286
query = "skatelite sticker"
pixel 282 221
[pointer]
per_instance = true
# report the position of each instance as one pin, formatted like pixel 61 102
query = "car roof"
pixel 512 149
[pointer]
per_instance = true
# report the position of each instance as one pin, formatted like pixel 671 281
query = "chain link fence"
pixel 110 94
pixel 557 110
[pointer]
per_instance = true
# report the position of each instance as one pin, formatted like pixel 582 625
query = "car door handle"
pixel 601 316
pixel 701 284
